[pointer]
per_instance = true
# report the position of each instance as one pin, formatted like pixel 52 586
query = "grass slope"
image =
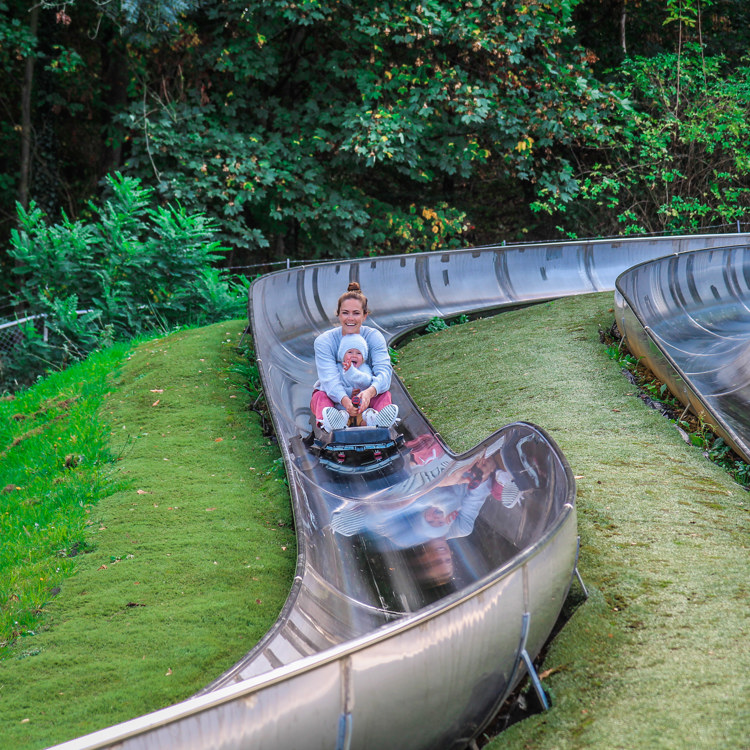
pixel 657 657
pixel 54 460
pixel 189 559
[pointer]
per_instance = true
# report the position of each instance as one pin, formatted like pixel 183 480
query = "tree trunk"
pixel 117 77
pixel 24 185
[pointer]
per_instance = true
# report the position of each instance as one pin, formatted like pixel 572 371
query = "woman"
pixel 331 402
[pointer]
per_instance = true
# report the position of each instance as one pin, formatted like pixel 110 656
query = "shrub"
pixel 131 269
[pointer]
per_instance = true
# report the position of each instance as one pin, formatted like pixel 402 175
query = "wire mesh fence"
pixel 11 333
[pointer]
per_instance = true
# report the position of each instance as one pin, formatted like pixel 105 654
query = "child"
pixel 356 375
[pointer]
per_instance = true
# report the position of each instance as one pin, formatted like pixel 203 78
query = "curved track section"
pixel 399 632
pixel 689 317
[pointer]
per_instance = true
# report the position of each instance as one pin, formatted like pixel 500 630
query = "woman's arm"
pixel 380 360
pixel 329 373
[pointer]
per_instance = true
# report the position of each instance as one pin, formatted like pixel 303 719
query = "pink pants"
pixel 320 400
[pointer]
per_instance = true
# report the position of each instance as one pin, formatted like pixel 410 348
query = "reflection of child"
pixel 453 513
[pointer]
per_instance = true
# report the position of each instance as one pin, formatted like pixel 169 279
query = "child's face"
pixel 353 357
pixel 434 516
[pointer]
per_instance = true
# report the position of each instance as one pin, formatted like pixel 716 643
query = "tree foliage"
pixel 318 126
pixel 326 128
pixel 679 157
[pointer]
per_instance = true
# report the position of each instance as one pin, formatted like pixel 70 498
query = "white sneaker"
pixel 334 419
pixel 386 417
pixel 370 417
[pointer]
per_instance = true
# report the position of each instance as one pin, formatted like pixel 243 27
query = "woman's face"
pixel 351 316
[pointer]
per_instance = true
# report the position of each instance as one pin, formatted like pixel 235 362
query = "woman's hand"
pixel 365 397
pixel 351 409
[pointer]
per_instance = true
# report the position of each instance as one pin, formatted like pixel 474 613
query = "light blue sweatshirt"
pixel 357 377
pixel 330 372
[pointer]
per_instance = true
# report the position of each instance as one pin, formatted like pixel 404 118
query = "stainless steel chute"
pixel 393 637
pixel 688 315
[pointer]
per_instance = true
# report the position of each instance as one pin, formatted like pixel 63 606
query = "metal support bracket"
pixel 524 655
pixel 575 569
pixel 344 734
pixel 535 681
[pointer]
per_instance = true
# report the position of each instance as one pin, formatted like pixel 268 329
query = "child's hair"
pixel 353 292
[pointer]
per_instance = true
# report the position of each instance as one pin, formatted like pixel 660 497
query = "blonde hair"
pixel 353 292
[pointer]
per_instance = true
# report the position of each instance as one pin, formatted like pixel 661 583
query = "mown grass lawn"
pixel 189 557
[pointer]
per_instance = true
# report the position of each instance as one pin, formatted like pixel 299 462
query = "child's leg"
pixel 318 402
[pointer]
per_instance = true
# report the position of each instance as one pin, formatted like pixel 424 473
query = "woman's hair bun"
pixel 353 287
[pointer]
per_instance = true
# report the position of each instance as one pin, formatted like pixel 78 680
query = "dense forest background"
pixel 160 139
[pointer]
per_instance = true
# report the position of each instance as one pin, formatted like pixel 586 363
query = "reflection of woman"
pixel 329 390
pixel 433 562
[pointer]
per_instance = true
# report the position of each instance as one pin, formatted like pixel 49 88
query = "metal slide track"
pixel 689 316
pixel 395 634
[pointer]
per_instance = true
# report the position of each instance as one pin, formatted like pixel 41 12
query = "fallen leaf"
pixel 102 567
pixel 168 672
pixel 156 402
pixel 548 672
pixel 141 492
pixel 157 390
pixel 218 440
pixel 25 721
pixel 210 509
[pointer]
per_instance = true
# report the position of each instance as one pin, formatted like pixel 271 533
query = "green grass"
pixel 189 558
pixel 658 656
pixel 54 462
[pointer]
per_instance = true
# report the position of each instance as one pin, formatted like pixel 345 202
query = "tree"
pixel 677 159
pixel 615 29
pixel 336 127
pixel 65 77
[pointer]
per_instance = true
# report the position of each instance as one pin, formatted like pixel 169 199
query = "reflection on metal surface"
pixel 688 316
pixel 424 579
